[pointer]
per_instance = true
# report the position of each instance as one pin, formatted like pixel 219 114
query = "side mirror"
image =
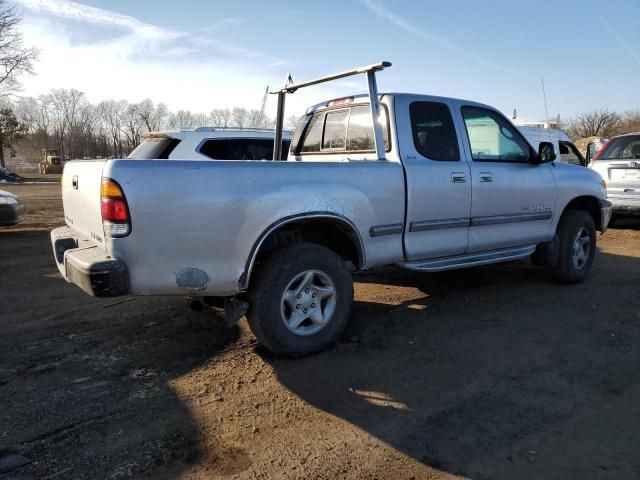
pixel 546 152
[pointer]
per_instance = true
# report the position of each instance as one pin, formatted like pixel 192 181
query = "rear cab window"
pixel 341 130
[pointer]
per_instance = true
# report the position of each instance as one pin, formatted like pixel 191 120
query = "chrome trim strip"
pixel 512 218
pixel 381 230
pixel 438 224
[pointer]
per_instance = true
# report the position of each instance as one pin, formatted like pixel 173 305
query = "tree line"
pixel 66 121
pixel 601 123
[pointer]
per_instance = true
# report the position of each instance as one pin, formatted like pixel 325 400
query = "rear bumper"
pixel 625 205
pixel 606 211
pixel 11 214
pixel 89 267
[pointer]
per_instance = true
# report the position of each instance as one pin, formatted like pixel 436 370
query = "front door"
pixel 437 177
pixel 513 197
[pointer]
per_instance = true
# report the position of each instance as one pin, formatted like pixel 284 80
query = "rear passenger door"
pixel 437 179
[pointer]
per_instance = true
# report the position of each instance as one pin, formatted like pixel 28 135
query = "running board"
pixel 470 259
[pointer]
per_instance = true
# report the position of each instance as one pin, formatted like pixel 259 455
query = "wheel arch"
pixel 332 230
pixel 589 204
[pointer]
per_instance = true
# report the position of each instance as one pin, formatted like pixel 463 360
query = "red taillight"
pixel 114 209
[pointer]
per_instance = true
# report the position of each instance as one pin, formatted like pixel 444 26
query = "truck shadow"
pixel 87 385
pixel 493 372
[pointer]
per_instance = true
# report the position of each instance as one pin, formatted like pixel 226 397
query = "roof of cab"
pixel 363 98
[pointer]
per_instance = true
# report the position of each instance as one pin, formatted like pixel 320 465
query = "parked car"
pixel 569 153
pixel 618 162
pixel 11 209
pixel 590 146
pixel 209 143
pixel 426 183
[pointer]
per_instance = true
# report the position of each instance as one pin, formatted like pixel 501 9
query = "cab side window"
pixel 335 130
pixel 434 135
pixel 313 134
pixel 340 130
pixel 492 138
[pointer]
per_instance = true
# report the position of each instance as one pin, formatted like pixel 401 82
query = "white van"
pixel 567 152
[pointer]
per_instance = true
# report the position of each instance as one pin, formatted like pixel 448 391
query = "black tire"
pixel 572 224
pixel 267 310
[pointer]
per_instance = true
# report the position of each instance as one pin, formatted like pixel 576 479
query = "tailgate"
pixel 81 198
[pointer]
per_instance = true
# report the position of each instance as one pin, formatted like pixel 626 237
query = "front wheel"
pixel 300 299
pixel 577 235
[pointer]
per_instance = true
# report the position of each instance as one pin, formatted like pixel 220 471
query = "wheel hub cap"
pixel 308 302
pixel 581 249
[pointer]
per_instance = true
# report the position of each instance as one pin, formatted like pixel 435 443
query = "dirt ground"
pixel 492 372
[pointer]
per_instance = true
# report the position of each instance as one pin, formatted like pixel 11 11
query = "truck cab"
pixel 473 181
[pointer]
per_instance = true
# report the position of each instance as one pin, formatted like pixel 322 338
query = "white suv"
pixel 210 143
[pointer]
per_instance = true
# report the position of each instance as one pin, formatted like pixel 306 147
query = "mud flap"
pixel 547 254
pixel 234 310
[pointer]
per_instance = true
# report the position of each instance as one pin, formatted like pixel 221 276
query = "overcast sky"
pixel 200 55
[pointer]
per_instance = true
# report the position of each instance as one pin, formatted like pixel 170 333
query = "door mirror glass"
pixel 546 152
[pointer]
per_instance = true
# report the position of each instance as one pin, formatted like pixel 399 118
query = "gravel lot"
pixel 492 372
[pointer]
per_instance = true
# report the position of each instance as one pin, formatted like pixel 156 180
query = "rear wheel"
pixel 577 235
pixel 300 299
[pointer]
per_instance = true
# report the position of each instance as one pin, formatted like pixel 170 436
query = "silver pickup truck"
pixel 422 182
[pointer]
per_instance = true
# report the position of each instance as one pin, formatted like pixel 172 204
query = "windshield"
pixel 622 148
pixel 154 147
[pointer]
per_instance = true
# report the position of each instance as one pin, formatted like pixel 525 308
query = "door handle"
pixel 486 177
pixel 74 182
pixel 458 177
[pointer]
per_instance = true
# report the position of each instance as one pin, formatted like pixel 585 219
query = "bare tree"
pixel 239 117
pixel 132 124
pixel 112 114
pixel 15 58
pixel 291 123
pixel 181 119
pixel 153 116
pixel 201 120
pixel 631 121
pixel 220 117
pixel 597 123
pixel 258 119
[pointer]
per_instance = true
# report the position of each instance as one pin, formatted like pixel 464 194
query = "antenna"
pixel 546 109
